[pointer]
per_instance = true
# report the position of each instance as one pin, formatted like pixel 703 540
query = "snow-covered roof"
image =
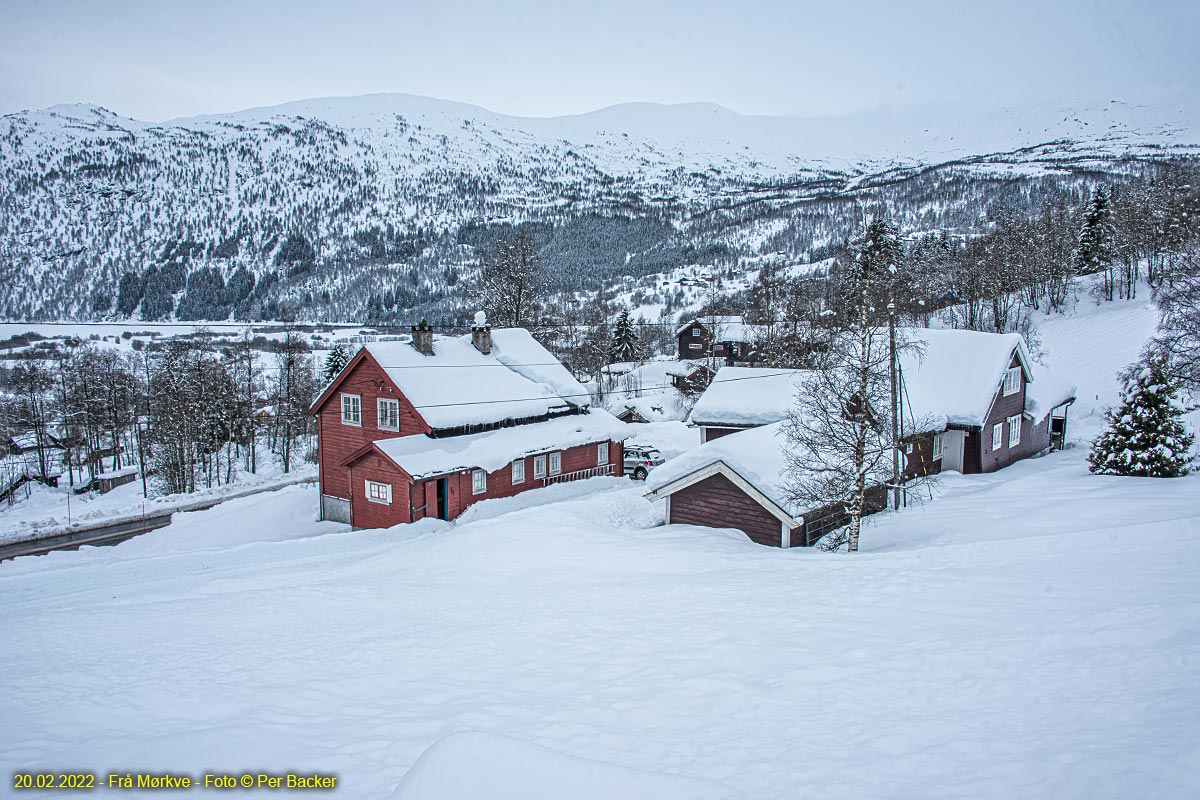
pixel 682 369
pixel 1046 392
pixel 458 385
pixel 757 455
pixel 951 376
pixel 727 329
pixel 654 407
pixel 424 456
pixel 747 396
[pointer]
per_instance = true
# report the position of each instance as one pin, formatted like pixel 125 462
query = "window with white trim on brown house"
pixel 1012 381
pixel 539 467
pixel 478 482
pixel 1014 430
pixel 555 463
pixel 518 471
pixel 998 436
pixel 602 454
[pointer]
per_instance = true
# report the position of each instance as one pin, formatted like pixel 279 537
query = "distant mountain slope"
pixel 342 208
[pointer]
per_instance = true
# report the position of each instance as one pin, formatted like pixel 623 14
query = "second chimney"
pixel 481 333
pixel 422 338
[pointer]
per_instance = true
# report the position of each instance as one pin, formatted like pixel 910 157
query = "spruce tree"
pixel 1146 435
pixel 336 361
pixel 625 339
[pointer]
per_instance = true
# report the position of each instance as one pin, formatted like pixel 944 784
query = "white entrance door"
pixel 952 450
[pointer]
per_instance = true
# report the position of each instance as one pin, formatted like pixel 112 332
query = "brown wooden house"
pixel 727 340
pixel 974 402
pixel 426 428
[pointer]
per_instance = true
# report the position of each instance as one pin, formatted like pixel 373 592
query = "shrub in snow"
pixel 1146 435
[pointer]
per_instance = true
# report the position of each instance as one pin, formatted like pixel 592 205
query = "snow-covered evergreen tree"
pixel 1146 435
pixel 336 361
pixel 1097 242
pixel 624 339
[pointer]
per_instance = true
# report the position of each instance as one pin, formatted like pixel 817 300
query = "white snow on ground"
pixel 45 513
pixel 475 764
pixel 1032 633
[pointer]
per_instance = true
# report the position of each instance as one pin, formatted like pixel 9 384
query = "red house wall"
pixel 337 442
pixel 372 466
pixel 365 513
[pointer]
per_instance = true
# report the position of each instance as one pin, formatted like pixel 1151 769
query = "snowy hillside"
pixel 314 206
pixel 1029 633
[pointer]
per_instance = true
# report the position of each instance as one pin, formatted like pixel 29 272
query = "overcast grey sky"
pixel 158 60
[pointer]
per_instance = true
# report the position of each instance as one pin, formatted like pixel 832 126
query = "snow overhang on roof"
pixel 459 386
pixel 755 456
pixel 951 377
pixel 424 456
pixel 747 396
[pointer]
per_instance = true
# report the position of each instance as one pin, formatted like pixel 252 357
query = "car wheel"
pixel 639 474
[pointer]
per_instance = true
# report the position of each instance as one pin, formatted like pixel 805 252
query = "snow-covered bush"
pixel 1146 435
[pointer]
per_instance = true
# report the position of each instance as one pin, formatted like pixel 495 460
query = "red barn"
pixel 425 428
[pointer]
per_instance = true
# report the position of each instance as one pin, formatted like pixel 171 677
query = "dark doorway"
pixel 443 508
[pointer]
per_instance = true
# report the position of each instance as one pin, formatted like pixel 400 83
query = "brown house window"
pixel 1012 381
pixel 478 482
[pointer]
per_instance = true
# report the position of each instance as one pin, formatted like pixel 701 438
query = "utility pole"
pixel 895 400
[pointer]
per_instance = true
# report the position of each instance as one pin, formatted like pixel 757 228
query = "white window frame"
pixel 380 403
pixel 939 447
pixel 518 471
pixel 478 482
pixel 554 461
pixel 1014 430
pixel 355 404
pixel 378 492
pixel 695 346
pixel 539 467
pixel 998 436
pixel 1012 381
pixel 602 454
pixel 695 331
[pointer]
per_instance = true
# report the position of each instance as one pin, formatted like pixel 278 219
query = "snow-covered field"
pixel 48 511
pixel 1032 633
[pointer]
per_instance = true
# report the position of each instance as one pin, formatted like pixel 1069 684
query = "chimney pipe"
pixel 481 333
pixel 422 338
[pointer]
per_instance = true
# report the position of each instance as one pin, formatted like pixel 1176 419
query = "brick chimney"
pixel 422 338
pixel 481 333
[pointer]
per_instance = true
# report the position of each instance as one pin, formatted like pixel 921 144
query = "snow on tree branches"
pixel 1147 436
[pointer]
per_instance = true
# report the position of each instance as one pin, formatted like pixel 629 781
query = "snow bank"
pixel 473 765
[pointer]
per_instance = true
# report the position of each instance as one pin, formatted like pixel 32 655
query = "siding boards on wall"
pixel 717 502
pixel 337 441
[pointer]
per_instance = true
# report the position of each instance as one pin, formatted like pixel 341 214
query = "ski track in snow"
pixel 1033 633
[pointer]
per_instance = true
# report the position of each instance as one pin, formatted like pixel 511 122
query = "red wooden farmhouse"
pixel 425 428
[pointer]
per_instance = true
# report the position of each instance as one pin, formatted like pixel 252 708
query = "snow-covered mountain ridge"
pixel 342 207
